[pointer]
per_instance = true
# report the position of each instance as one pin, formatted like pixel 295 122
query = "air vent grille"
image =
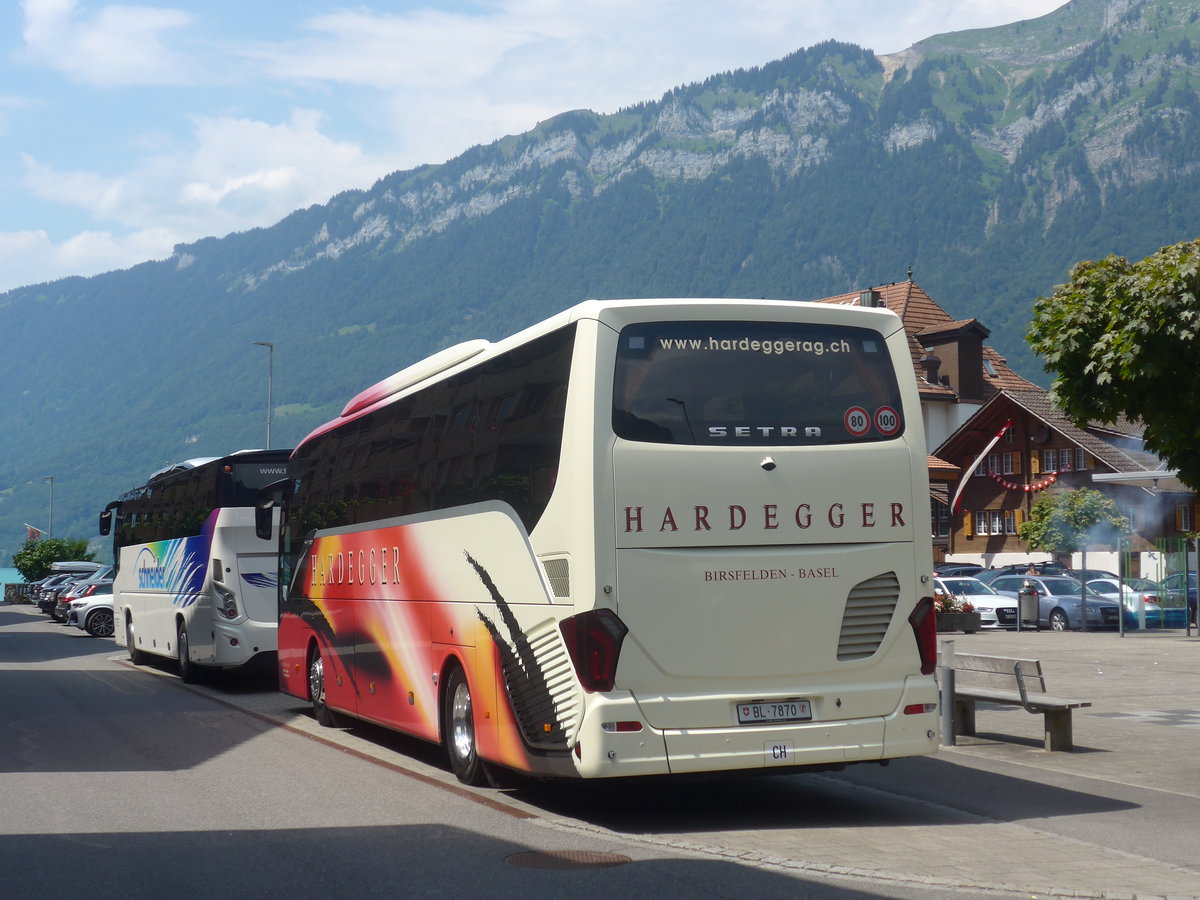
pixel 869 609
pixel 544 695
pixel 558 570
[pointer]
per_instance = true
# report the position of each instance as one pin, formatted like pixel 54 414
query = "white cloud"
pixel 236 174
pixel 118 45
pixel 31 257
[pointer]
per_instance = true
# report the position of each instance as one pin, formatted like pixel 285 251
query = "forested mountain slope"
pixel 987 161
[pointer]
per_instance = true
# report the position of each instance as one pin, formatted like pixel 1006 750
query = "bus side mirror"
pixel 264 507
pixel 106 518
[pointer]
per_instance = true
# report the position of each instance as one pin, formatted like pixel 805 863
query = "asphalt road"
pixel 122 781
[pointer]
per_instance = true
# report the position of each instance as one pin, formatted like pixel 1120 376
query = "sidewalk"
pixel 1143 726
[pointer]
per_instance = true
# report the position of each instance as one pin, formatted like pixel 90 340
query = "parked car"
pixel 995 611
pixel 1059 603
pixel 48 594
pixel 987 576
pixel 84 587
pixel 1173 592
pixel 1134 600
pixel 1086 575
pixel 94 614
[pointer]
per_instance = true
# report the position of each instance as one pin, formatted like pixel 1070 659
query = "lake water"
pixel 9 575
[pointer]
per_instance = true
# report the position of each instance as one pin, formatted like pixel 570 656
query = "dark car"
pixel 1172 592
pixel 1058 601
pixel 957 570
pixel 49 590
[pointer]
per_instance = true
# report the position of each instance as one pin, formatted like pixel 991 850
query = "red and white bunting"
pixel 1034 486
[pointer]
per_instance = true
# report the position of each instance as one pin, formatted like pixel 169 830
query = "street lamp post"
pixel 270 383
pixel 50 527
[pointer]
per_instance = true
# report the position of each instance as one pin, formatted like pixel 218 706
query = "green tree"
pixel 1069 522
pixel 1121 339
pixel 35 558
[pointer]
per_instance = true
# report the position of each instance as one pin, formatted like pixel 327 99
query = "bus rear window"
pixel 754 384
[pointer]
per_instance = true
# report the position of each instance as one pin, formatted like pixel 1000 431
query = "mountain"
pixel 987 161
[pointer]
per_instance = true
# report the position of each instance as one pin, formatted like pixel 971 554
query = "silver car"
pixel 1059 603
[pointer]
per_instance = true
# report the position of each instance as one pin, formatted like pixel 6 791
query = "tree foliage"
pixel 1068 522
pixel 34 559
pixel 1120 339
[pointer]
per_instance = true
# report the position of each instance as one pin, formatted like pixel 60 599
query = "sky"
pixel 127 129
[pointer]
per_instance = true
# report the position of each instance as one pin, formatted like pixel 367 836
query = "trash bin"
pixel 1027 604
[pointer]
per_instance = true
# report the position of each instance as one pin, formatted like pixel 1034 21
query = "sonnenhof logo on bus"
pixel 173 566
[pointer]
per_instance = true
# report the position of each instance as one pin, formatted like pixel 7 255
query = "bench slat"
pixel 1041 701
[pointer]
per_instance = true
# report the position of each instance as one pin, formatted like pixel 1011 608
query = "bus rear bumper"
pixel 912 729
pixel 233 647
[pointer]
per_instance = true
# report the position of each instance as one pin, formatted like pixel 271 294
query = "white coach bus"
pixel 193 583
pixel 641 537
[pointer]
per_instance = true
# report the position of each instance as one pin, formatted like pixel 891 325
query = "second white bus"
pixel 641 537
pixel 193 582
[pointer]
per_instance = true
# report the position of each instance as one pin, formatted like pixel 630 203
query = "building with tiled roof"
pixel 956 372
pixel 968 394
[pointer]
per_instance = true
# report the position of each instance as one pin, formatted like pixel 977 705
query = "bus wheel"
pixel 188 672
pixel 316 690
pixel 458 719
pixel 136 656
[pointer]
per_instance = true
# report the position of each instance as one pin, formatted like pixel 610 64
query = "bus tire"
pixel 189 672
pixel 458 718
pixel 136 656
pixel 316 689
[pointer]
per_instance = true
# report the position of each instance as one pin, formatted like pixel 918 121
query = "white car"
pixel 1135 594
pixel 94 614
pixel 995 610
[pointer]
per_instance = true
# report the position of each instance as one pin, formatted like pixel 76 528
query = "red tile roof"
pixel 920 313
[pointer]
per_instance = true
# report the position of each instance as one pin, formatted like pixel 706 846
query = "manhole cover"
pixel 566 859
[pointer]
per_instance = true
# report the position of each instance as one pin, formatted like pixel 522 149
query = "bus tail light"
pixel 924 626
pixel 594 642
pixel 226 602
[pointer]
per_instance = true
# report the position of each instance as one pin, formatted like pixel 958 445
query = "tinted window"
pixel 754 384
pixel 1063 588
pixel 493 432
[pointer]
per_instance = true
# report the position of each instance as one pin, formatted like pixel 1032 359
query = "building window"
pixel 981 522
pixel 939 518
pixel 1183 518
pixel 1010 521
pixel 1080 459
pixel 1130 513
pixel 1007 459
pixel 1049 460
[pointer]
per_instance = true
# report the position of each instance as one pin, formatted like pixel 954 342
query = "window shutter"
pixel 1016 463
pixel 1035 467
pixel 968 523
pixel 1020 518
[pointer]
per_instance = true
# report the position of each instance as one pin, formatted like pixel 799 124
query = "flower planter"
pixel 958 621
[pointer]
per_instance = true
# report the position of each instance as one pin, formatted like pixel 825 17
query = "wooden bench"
pixel 1016 682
